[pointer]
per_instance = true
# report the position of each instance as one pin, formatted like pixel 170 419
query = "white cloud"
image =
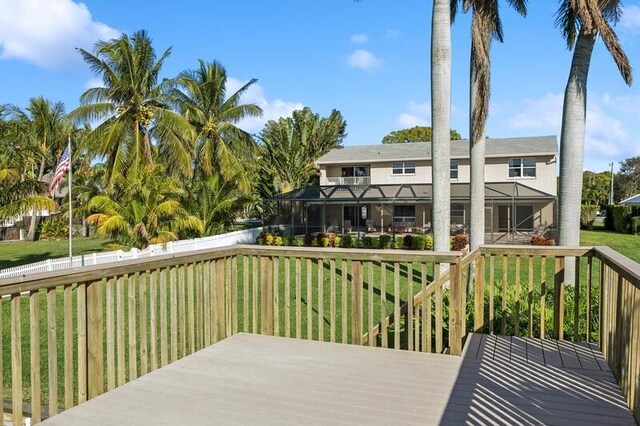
pixel 94 82
pixel 392 34
pixel 608 136
pixel 47 32
pixel 359 38
pixel 417 114
pixel 272 109
pixel 630 20
pixel 364 60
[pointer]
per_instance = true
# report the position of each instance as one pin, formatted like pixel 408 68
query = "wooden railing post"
pixel 456 310
pixel 356 282
pixel 558 300
pixel 266 271
pixel 95 363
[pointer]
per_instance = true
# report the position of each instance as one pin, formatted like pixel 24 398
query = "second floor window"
pixel 404 168
pixel 522 167
pixel 355 171
pixel 453 170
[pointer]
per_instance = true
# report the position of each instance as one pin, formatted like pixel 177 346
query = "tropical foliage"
pixel 415 134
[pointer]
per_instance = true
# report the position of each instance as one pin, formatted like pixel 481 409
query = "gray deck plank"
pixel 551 353
pixel 587 358
pixel 568 354
pixel 249 379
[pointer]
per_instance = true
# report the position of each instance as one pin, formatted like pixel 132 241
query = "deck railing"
pixel 68 336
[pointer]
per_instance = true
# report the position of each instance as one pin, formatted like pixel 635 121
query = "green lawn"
pixel 14 253
pixel 625 244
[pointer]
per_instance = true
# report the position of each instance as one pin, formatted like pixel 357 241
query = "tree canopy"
pixel 415 134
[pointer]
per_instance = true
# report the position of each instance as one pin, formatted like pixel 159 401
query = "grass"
pixel 626 244
pixel 15 253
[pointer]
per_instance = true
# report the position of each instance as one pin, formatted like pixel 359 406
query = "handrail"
pixel 523 250
pixel 620 263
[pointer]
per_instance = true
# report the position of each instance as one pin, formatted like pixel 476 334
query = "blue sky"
pixel 368 59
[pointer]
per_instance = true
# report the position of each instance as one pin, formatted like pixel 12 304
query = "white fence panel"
pixel 246 236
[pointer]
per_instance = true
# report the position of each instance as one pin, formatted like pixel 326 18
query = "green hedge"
pixel 618 218
pixel 635 225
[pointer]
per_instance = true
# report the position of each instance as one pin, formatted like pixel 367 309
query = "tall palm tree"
pixel 485 26
pixel 20 196
pixel 441 122
pixel 127 106
pixel 206 133
pixel 581 22
pixel 43 122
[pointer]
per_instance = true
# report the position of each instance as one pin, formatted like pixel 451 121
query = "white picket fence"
pixel 247 236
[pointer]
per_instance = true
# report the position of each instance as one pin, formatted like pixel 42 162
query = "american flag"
pixel 61 170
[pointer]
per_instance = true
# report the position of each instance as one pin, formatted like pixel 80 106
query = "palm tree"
pixel 149 212
pixel 291 145
pixel 127 106
pixel 440 122
pixel 581 23
pixel 20 196
pixel 208 123
pixel 43 122
pixel 485 26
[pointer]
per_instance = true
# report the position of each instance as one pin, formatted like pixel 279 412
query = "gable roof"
pixel 503 147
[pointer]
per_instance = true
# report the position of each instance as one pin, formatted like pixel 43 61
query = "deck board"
pixel 251 379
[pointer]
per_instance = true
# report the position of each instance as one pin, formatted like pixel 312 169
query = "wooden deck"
pixel 253 379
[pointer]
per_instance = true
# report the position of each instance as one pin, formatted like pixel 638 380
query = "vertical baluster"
pixel 505 278
pixel 530 298
pixel 409 322
pixel 357 301
pixel 372 339
pixel 191 319
pixel 298 307
pixel 426 311
pixel 95 339
pixel 309 300
pixel 383 305
pixel 153 319
pixel 81 299
pixel 164 350
pixel 133 351
pixel 206 300
pixel 588 295
pixel 438 296
pixel 228 297
pixel 478 317
pixel 254 286
pixel 120 328
pixel 396 305
pixel 111 336
pixel 287 297
pixel 52 351
pixel 34 319
pixel 182 307
pixel 142 302
pixel 518 297
pixel 68 346
pixel 234 294
pixel 266 320
pixel 320 299
pixel 543 295
pixel 173 291
pixel 276 296
pixel 345 284
pixel 245 293
pixel 576 301
pixel 558 302
pixel 16 360
pixel 492 284
pixel 332 301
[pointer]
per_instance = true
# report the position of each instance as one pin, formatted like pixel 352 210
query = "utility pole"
pixel 611 189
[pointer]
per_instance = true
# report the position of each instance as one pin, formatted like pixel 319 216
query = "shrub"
pixel 314 243
pixel 588 214
pixel 375 242
pixel 278 241
pixel 337 240
pixel 325 242
pixel 324 236
pixel 367 242
pixel 408 240
pixel 538 240
pixel 618 218
pixel 418 242
pixel 288 241
pixel 635 225
pixel 428 243
pixel 298 242
pixel 269 239
pixel 398 243
pixel 53 229
pixel 385 241
pixel 308 238
pixel 459 242
pixel 347 241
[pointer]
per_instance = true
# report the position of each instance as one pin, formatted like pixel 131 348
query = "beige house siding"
pixel 496 170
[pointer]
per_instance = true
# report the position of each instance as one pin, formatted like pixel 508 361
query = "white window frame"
pixel 404 166
pixel 452 169
pixel 521 168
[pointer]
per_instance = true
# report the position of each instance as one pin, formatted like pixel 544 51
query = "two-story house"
pixel 387 188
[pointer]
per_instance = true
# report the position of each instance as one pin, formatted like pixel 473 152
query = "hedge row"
pixel 623 219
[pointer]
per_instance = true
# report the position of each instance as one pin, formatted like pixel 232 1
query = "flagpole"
pixel 70 211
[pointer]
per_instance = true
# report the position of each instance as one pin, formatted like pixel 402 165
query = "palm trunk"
pixel 31 235
pixel 147 149
pixel 572 137
pixel 477 157
pixel 441 123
